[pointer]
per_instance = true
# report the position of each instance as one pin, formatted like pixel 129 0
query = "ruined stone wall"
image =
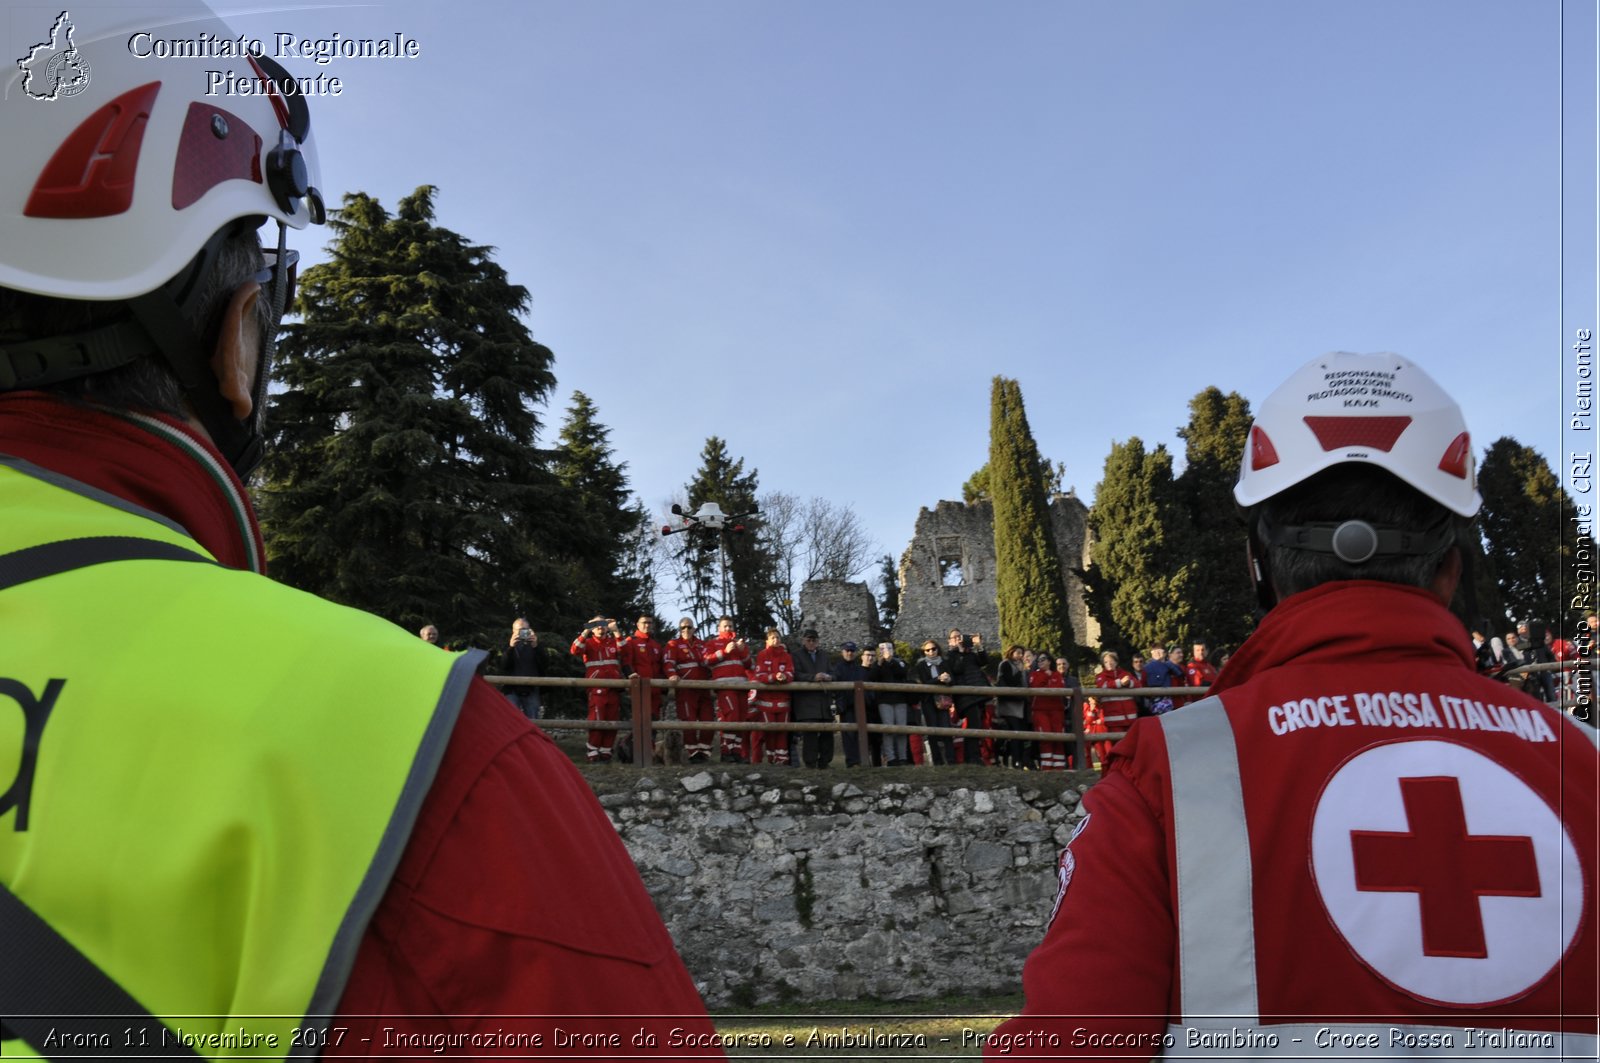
pixel 951 532
pixel 780 889
pixel 963 534
pixel 839 610
pixel 1069 520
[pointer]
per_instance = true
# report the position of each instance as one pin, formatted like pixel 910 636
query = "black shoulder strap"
pixel 43 975
pixel 48 559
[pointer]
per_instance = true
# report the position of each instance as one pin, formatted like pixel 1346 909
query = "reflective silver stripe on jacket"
pixel 1216 928
pixel 1220 1006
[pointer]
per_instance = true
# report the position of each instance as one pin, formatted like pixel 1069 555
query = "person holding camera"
pixel 597 646
pixel 523 657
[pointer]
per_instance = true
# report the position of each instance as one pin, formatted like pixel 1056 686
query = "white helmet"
pixel 135 141
pixel 118 165
pixel 1372 409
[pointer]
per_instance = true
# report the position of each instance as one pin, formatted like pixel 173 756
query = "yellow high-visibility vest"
pixel 224 771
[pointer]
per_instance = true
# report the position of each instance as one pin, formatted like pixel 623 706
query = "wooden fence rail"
pixel 642 726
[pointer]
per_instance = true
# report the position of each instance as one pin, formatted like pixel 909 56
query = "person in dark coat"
pixel 814 706
pixel 964 662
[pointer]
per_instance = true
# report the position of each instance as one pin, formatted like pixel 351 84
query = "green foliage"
pixel 1141 582
pixel 404 477
pixel 1529 526
pixel 1030 589
pixel 889 603
pixel 1214 438
pixel 751 577
pixel 609 523
pixel 976 489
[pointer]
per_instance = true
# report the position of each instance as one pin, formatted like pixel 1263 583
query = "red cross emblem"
pixel 1444 872
pixel 1448 868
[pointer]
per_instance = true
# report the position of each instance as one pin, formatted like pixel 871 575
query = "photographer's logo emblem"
pixel 55 69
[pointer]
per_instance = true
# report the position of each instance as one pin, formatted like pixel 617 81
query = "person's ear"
pixel 1447 576
pixel 238 352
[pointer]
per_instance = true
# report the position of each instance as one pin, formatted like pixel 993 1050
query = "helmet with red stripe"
pixel 124 169
pixel 1379 411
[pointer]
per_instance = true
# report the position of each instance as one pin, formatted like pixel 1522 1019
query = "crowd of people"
pixel 1501 657
pixel 786 671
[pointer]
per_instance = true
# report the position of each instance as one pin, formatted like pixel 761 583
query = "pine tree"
pixel 1214 437
pixel 608 520
pixel 404 477
pixel 1140 581
pixel 1029 588
pixel 1529 521
pixel 751 578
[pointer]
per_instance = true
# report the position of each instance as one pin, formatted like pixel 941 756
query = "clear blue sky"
pixel 819 229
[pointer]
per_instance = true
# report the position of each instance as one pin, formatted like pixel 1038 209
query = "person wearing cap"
pixel 258 817
pixel 684 658
pixel 848 669
pixel 1356 845
pixel 812 706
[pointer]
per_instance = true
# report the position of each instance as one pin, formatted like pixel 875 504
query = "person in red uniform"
pixel 1116 714
pixel 597 646
pixel 1356 841
pixel 1199 672
pixel 684 658
pixel 774 664
pixel 1049 714
pixel 475 934
pixel 728 658
pixel 640 654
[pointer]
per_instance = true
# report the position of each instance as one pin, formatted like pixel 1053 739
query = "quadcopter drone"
pixel 709 517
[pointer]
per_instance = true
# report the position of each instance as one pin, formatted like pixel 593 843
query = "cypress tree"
pixel 889 602
pixel 1030 589
pixel 1141 579
pixel 1214 447
pixel 404 477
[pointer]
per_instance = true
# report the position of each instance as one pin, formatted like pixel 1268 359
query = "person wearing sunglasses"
pixel 259 818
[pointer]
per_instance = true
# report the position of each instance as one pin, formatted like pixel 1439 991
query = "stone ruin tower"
pixel 947 574
pixel 839 610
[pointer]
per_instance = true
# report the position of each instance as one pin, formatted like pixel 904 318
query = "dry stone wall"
pixel 777 888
